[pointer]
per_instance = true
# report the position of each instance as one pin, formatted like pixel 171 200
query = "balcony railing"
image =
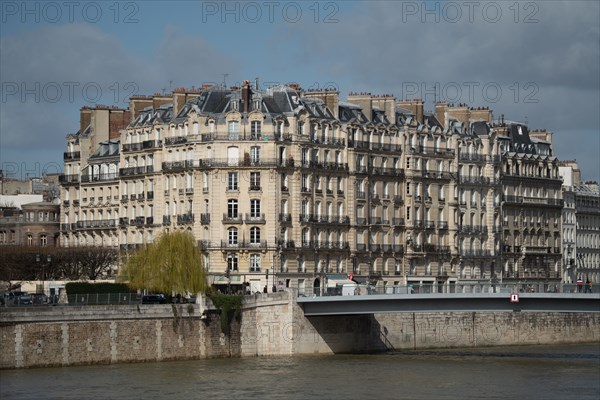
pixel 130 171
pixel 94 224
pixel 132 147
pixel 232 219
pixel 244 244
pixel 398 221
pixel 475 253
pixel 258 218
pixel 285 217
pixel 137 221
pixel 184 219
pixel 66 179
pixel 175 140
pixel 72 155
pixel 99 177
pixel 177 165
pixel 205 218
pixel 286 244
pixel 472 157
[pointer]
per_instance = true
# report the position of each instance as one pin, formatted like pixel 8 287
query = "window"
pixel 255 130
pixel 254 154
pixel 254 262
pixel 232 181
pixel 233 130
pixel 254 235
pixel 232 208
pixel 43 240
pixel 232 236
pixel 232 262
pixel 254 180
pixel 205 181
pixel 301 128
pixel 254 208
pixel 29 240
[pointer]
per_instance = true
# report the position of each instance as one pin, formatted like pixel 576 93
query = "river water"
pixel 525 372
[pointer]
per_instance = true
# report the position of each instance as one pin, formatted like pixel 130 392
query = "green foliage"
pixel 89 288
pixel 171 264
pixel 230 306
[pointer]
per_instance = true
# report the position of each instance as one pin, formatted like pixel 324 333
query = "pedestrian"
pixel 588 286
pixel 265 289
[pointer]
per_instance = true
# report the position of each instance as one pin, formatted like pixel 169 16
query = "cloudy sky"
pixel 536 61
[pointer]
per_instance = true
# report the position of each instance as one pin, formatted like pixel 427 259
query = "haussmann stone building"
pixel 295 188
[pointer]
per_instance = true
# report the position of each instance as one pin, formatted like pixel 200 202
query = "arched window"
pixel 232 262
pixel 255 235
pixel 232 236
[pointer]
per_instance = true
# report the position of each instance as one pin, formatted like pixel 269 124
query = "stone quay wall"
pixel 61 336
pixel 272 325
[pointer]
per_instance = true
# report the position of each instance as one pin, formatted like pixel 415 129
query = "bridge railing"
pixel 426 288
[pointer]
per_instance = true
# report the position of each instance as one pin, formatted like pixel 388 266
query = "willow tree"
pixel 171 264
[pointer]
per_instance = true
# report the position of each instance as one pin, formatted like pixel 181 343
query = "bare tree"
pixel 96 262
pixel 24 263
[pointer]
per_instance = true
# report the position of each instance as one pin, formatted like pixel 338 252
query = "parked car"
pixel 22 298
pixel 39 298
pixel 17 298
pixel 154 299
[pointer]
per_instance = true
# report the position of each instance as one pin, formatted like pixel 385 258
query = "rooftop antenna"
pixel 170 84
pixel 256 82
pixel 224 79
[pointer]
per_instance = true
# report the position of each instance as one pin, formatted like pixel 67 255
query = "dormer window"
pixel 234 105
pixel 257 104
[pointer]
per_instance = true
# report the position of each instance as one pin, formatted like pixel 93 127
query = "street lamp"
pixel 38 260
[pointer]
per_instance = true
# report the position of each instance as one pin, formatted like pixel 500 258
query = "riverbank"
pixel 272 325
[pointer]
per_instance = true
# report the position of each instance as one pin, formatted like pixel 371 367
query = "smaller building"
pixel 34 224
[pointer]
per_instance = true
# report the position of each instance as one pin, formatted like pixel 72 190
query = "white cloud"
pixel 48 74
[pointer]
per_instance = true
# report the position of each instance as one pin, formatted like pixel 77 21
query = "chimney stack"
pixel 415 106
pixel 331 98
pixel 364 101
pixel 246 96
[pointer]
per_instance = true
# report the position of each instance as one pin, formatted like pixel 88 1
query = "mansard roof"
pixel 107 149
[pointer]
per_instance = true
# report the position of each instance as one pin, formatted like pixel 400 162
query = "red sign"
pixel 514 298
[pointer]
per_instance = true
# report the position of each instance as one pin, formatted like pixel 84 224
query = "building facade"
pixel 285 187
pixel 581 225
pixel 34 224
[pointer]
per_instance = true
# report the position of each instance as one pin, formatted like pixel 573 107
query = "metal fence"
pixel 458 288
pixel 103 299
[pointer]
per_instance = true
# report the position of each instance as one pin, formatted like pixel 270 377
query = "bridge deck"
pixel 457 302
